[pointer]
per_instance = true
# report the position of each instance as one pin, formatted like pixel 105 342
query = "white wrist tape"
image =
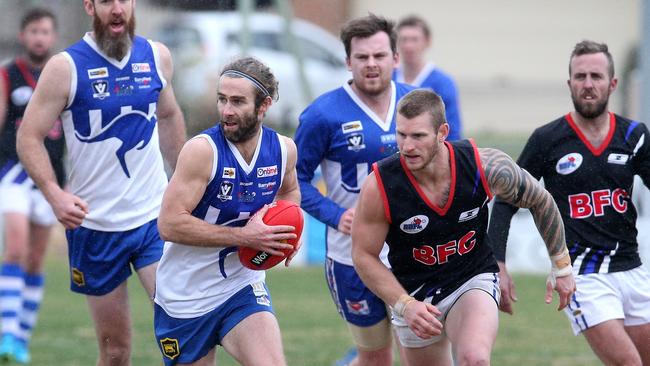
pixel 400 304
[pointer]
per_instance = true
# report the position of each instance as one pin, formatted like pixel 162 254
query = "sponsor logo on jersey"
pixel 98 73
pixel 620 159
pixel 100 89
pixel 140 68
pixel 353 126
pixel 143 82
pixel 468 215
pixel 229 173
pixel 388 139
pixel 358 307
pixel 569 163
pixel 20 96
pixel 355 142
pixel 414 224
pixel 245 184
pixel 583 205
pixel 123 78
pixel 225 191
pixel 122 88
pixel 263 300
pixel 170 347
pixel 246 196
pixel 78 277
pixel 267 185
pixel 267 171
pixel 439 254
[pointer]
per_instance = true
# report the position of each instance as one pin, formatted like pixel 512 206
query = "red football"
pixel 280 213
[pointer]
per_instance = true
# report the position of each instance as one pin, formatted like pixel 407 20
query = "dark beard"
pixel 118 47
pixel 248 127
pixel 37 59
pixel 589 112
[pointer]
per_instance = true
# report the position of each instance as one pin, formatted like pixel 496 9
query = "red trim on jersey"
pixel 4 75
pixel 382 191
pixel 477 156
pixel 604 144
pixel 442 211
pixel 27 74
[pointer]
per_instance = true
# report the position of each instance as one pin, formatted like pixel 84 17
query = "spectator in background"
pixel 413 39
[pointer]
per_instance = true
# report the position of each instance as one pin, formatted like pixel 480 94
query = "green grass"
pixel 313 333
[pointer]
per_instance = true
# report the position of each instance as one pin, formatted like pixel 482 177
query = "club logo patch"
pixel 78 277
pixel 170 348
pixel 225 191
pixel 353 126
pixel 468 215
pixel 618 159
pixel 100 89
pixel 569 163
pixel 228 173
pixel 101 72
pixel 414 224
pixel 355 142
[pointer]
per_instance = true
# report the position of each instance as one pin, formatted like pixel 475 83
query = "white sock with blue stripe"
pixel 32 297
pixel 11 303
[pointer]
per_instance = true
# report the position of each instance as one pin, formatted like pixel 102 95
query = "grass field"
pixel 312 331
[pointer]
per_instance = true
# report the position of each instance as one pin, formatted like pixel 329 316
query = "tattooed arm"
pixel 514 185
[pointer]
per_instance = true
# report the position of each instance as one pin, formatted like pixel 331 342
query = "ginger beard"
pixel 115 46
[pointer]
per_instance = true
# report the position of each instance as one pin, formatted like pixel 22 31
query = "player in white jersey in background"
pixel 112 90
pixel 345 131
pixel 204 295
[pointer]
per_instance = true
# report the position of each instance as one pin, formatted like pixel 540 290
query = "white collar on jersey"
pixel 385 124
pixel 240 159
pixel 422 75
pixel 119 64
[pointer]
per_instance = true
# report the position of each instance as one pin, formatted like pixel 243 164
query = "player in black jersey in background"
pixel 429 202
pixel 27 216
pixel 588 159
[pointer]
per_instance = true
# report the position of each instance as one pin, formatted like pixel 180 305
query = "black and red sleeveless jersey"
pixel 433 250
pixel 19 82
pixel 592 187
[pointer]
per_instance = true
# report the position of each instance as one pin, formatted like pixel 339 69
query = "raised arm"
pixel 45 106
pixel 369 230
pixel 185 190
pixel 514 185
pixel 171 125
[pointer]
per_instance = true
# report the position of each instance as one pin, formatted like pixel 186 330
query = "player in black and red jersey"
pixel 429 202
pixel 588 159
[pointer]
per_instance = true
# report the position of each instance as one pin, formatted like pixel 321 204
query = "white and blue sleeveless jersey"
pixel 111 133
pixel 192 281
pixel 344 136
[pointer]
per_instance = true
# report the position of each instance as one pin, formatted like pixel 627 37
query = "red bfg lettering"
pixel 583 205
pixel 428 255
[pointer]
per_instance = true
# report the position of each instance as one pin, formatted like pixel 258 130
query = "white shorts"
pixel 26 200
pixel 606 296
pixel 488 282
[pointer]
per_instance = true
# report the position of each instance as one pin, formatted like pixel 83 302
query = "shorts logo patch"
pixel 263 300
pixel 619 159
pixel 577 312
pixel 358 307
pixel 414 224
pixel 569 163
pixel 78 277
pixel 258 289
pixel 170 348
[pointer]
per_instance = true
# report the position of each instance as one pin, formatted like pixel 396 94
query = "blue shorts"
pixel 354 301
pixel 189 340
pixel 100 260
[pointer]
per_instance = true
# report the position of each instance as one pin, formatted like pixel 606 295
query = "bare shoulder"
pixel 291 145
pixel 57 72
pixel 165 58
pixel 196 158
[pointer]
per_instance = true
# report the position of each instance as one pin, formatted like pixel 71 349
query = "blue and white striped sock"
pixel 11 303
pixel 32 297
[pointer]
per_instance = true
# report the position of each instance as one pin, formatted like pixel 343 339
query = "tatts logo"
pixel 228 172
pixel 415 224
pixel 569 163
pixel 267 171
pixel 101 72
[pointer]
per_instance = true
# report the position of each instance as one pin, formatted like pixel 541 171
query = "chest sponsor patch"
pixel 468 215
pixel 414 224
pixel 21 95
pixel 619 159
pixel 228 173
pixel 267 171
pixel 352 126
pixel 569 163
pixel 140 68
pixel 98 73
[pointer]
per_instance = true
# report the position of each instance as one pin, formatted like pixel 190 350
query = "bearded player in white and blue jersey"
pixel 111 90
pixel 225 179
pixel 345 131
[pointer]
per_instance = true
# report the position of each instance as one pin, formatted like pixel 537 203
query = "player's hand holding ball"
pixel 271 235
